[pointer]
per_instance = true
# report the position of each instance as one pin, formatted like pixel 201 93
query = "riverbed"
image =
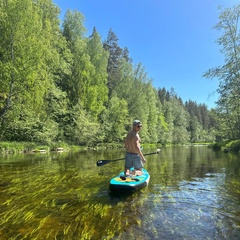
pixel 193 193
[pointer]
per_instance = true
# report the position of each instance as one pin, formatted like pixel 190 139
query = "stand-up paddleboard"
pixel 128 184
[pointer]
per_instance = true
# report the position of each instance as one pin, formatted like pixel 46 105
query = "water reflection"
pixel 193 194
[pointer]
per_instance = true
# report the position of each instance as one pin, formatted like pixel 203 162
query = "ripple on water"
pixel 197 209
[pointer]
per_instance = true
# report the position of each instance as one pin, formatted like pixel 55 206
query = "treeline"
pixel 59 85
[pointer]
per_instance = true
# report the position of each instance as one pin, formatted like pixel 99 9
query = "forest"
pixel 59 85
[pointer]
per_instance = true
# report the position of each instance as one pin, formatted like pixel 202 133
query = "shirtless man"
pixel 134 157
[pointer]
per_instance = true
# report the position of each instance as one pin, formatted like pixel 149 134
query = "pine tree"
pixel 115 55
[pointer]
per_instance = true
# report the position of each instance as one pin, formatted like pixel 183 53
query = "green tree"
pixel 78 83
pixel 229 73
pixel 97 93
pixel 114 60
pixel 22 67
pixel 29 31
pixel 115 120
pixel 169 126
pixel 80 129
pixel 176 117
pixel 181 122
pixel 56 107
pixel 195 130
pixel 152 114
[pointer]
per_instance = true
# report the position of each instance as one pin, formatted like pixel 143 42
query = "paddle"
pixel 103 162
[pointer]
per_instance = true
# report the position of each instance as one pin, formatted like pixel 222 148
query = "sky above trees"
pixel 174 40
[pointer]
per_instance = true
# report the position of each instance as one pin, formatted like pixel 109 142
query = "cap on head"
pixel 137 123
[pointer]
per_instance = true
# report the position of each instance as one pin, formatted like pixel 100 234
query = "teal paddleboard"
pixel 129 184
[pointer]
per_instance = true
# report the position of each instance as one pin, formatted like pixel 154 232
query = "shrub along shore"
pixel 228 146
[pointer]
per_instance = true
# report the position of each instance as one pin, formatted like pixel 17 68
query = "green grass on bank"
pixel 27 147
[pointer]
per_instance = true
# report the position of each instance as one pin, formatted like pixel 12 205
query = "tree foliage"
pixel 58 84
pixel 229 73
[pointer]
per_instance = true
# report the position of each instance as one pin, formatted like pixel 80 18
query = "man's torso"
pixel 132 142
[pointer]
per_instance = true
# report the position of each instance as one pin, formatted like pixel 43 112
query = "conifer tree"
pixel 115 55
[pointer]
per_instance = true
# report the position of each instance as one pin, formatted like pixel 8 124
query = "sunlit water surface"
pixel 194 193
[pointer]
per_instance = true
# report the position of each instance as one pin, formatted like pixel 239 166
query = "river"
pixel 193 193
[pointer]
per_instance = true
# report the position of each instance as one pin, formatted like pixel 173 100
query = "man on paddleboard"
pixel 134 157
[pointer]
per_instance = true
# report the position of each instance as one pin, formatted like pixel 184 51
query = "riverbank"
pixel 227 146
pixel 31 147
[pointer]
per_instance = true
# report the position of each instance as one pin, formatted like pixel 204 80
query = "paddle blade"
pixel 103 162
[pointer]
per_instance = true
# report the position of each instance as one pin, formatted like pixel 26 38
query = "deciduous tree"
pixel 229 73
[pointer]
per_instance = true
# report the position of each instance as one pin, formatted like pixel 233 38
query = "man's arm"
pixel 138 148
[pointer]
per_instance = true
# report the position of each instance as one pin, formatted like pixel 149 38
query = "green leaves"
pixel 229 73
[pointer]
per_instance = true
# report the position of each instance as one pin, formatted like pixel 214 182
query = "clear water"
pixel 194 193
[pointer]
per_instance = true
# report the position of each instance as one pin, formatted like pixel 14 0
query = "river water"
pixel 193 193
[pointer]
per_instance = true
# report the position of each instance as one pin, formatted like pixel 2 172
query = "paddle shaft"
pixel 103 162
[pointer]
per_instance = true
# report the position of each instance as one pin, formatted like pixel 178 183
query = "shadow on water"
pixel 193 193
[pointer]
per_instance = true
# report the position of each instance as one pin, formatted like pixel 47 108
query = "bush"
pixel 234 146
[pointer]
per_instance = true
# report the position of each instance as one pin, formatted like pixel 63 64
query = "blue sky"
pixel 173 39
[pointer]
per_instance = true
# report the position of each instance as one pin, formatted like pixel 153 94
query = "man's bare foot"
pixel 138 172
pixel 127 173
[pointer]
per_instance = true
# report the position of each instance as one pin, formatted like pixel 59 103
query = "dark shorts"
pixel 133 160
